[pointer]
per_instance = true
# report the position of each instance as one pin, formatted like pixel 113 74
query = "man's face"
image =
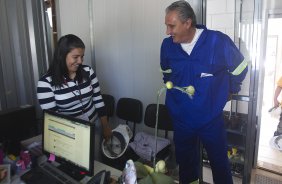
pixel 176 28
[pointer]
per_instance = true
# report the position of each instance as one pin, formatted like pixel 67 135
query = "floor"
pixel 269 177
pixel 269 157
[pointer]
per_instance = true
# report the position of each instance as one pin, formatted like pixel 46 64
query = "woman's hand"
pixel 107 131
pixel 276 103
pixel 276 95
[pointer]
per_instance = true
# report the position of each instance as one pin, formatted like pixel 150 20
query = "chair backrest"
pixel 164 120
pixel 130 110
pixel 109 101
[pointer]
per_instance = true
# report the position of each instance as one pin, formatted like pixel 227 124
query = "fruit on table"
pixel 149 169
pixel 160 166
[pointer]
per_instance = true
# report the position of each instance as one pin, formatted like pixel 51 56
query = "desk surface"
pixel 98 166
pixel 27 142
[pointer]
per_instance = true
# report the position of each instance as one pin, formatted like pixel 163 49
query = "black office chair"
pixel 130 110
pixel 164 123
pixel 164 120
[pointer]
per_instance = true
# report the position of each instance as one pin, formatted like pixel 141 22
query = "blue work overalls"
pixel 209 70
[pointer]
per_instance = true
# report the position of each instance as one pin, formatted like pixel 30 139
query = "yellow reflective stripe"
pixel 166 71
pixel 240 68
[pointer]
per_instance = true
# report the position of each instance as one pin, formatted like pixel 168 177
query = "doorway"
pixel 269 155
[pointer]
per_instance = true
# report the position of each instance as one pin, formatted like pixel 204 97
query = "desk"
pixel 98 166
pixel 27 142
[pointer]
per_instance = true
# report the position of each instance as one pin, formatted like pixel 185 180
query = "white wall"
pixel 273 4
pixel 220 16
pixel 73 18
pixel 127 39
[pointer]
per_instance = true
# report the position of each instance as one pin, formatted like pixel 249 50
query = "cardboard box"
pixel 5 176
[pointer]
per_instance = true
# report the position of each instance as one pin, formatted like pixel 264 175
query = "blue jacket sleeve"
pixel 164 65
pixel 234 58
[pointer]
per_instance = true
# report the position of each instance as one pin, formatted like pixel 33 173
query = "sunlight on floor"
pixel 270 158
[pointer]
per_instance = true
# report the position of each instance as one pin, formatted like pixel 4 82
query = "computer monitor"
pixel 71 142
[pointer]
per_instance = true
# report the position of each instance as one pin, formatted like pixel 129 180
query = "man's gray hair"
pixel 184 9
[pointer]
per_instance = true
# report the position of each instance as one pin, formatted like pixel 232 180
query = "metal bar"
pixel 91 29
pixel 241 98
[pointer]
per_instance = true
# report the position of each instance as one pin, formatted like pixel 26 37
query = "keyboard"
pixel 51 170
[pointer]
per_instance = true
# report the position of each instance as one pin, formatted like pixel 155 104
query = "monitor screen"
pixel 70 141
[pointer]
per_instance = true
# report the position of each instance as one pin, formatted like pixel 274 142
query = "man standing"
pixel 210 62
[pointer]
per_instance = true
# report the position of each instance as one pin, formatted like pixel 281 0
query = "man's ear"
pixel 188 23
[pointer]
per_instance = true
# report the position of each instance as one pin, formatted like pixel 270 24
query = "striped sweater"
pixel 78 100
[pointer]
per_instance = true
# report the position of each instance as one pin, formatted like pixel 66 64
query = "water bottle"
pixel 26 158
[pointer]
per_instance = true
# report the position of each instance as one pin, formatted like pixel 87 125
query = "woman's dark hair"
pixel 58 68
pixel 185 11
